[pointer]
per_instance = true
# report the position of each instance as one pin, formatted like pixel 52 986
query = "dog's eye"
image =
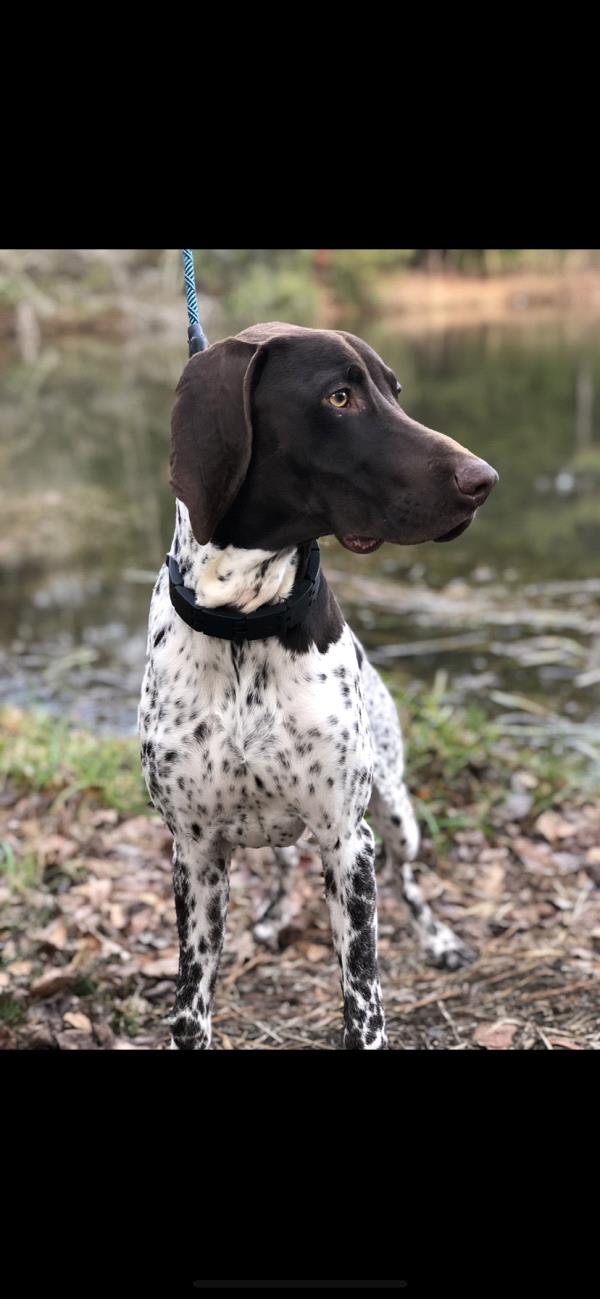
pixel 340 398
pixel 398 391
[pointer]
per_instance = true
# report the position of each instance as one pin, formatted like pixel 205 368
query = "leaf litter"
pixel 89 948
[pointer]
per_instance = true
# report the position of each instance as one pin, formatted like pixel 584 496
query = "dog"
pixel 260 714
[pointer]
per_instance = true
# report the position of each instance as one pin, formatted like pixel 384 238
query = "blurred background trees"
pixel 101 287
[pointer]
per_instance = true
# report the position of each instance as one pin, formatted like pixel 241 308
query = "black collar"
pixel 229 624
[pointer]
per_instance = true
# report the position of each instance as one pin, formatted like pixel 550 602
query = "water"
pixel 512 606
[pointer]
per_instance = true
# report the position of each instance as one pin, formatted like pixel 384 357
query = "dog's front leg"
pixel 349 866
pixel 201 883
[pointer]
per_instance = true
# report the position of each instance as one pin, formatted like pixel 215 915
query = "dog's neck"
pixel 244 579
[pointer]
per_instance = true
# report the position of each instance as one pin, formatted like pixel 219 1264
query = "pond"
pixel 510 611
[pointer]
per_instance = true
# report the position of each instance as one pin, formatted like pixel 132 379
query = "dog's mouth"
pixel 360 545
pixel 456 532
pixel 367 545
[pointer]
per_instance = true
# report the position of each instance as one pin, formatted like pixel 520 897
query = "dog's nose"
pixel 475 478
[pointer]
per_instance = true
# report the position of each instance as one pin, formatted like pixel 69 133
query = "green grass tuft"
pixel 44 753
pixel 11 1011
pixel 460 766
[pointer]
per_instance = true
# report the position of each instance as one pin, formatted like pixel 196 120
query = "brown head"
pixel 284 434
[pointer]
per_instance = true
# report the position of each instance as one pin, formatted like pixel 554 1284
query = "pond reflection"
pixel 511 606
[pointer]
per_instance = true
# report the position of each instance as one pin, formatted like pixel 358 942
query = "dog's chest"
pixel 251 739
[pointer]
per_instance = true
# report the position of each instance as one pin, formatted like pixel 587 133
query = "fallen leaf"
pixel 529 916
pixel 100 868
pixel 137 830
pixel 314 951
pixel 567 861
pixel 87 950
pixel 73 1040
pixel 56 849
pixel 245 947
pixel 78 1020
pixel 527 779
pixel 491 879
pixel 561 904
pixel 106 816
pixel 55 934
pixel 495 854
pixel 40 1038
pixel 536 857
pixel 554 826
pixel 20 967
pixel 566 1042
pixel 165 967
pixel 496 1037
pixel 53 981
pixel 142 920
pixel 105 1035
pixel 96 890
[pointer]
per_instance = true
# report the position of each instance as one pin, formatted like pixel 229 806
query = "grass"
pixel 20 872
pixel 460 769
pixel 126 1019
pixel 69 767
pixel 11 1011
pixel 42 753
pixel 85 987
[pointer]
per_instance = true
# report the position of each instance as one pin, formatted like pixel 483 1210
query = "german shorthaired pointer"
pixel 260 714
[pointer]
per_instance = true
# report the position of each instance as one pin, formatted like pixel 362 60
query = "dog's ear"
pixel 211 432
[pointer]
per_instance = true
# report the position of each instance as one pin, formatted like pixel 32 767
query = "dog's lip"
pixel 458 530
pixel 360 545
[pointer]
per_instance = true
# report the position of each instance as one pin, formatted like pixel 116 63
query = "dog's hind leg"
pixel 395 821
pixel 277 913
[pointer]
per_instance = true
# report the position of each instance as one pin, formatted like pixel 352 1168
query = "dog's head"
pixel 283 434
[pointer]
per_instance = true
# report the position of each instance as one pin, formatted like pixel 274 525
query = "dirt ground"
pixel 90 954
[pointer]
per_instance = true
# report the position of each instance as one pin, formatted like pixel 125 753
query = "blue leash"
pixel 197 339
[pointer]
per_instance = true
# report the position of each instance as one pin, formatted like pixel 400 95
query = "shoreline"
pixel 412 302
pixel 419 300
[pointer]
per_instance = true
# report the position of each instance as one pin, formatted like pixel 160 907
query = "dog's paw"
pixel 275 934
pixel 353 1040
pixel 188 1033
pixel 267 933
pixel 447 952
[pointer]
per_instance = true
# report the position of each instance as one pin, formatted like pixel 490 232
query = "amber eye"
pixel 340 398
